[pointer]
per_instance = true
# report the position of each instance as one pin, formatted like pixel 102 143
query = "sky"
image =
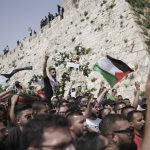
pixel 16 16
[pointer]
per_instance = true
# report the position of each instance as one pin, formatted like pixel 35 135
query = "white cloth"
pixel 54 84
pixel 2 80
pixel 93 124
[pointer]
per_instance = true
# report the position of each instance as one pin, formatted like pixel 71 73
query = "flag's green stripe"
pixel 111 79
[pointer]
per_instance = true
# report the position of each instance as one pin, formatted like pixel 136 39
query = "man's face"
pixel 95 109
pixel 62 110
pixel 3 131
pixel 78 124
pixel 53 73
pixel 138 121
pixel 114 92
pixel 119 108
pixel 57 139
pixel 25 116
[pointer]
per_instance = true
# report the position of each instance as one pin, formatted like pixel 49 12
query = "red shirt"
pixel 138 141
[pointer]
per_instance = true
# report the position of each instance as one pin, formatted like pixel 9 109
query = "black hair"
pixel 90 141
pixel 37 105
pixel 19 108
pixel 116 106
pixel 130 115
pixel 71 113
pixel 63 103
pixel 107 102
pixel 32 134
pixel 51 68
pixel 108 123
pixel 125 109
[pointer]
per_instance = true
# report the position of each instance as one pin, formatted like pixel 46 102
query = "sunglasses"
pixel 129 131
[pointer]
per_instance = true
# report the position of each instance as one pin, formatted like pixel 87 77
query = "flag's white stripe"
pixel 106 65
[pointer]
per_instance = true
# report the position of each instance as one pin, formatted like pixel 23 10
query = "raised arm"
pixel 14 100
pixel 45 65
pixel 5 93
pixel 47 85
pixel 146 142
pixel 137 94
pixel 70 88
pixel 101 95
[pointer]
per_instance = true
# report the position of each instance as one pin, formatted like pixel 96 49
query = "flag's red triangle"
pixel 120 75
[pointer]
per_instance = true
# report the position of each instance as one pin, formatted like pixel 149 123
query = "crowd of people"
pixel 34 117
pixel 50 17
pixel 43 23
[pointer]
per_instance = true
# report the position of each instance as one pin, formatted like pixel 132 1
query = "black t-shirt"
pixel 2 146
pixel 48 88
pixel 14 139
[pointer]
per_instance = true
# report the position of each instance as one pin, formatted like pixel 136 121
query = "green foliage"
pixel 147 23
pixel 143 93
pixel 125 40
pixel 93 79
pixel 139 22
pixel 148 50
pixel 82 20
pixel 61 88
pixel 14 63
pixel 121 24
pixel 121 16
pixel 21 57
pixel 61 59
pixel 148 42
pixel 86 70
pixel 73 39
pixel 112 6
pixel 139 3
pixel 85 13
pixel 92 21
pixel 79 50
pixel 145 32
pixel 104 2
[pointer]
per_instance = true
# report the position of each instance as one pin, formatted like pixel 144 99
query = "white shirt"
pixel 93 124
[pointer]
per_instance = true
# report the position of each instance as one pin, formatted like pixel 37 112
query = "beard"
pixel 128 146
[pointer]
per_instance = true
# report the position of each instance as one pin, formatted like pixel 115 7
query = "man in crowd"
pixel 40 107
pixel 3 135
pixel 136 119
pixel 20 114
pixel 50 83
pixel 118 131
pixel 113 94
pixel 78 124
pixel 92 119
pixel 47 132
pixel 63 107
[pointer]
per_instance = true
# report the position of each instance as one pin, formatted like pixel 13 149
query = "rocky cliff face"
pixel 104 27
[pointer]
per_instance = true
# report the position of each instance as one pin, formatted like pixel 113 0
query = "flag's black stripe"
pixel 119 64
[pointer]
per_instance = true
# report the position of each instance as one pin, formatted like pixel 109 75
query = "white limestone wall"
pixel 108 28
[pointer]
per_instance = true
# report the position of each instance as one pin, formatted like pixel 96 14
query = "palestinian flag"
pixel 112 69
